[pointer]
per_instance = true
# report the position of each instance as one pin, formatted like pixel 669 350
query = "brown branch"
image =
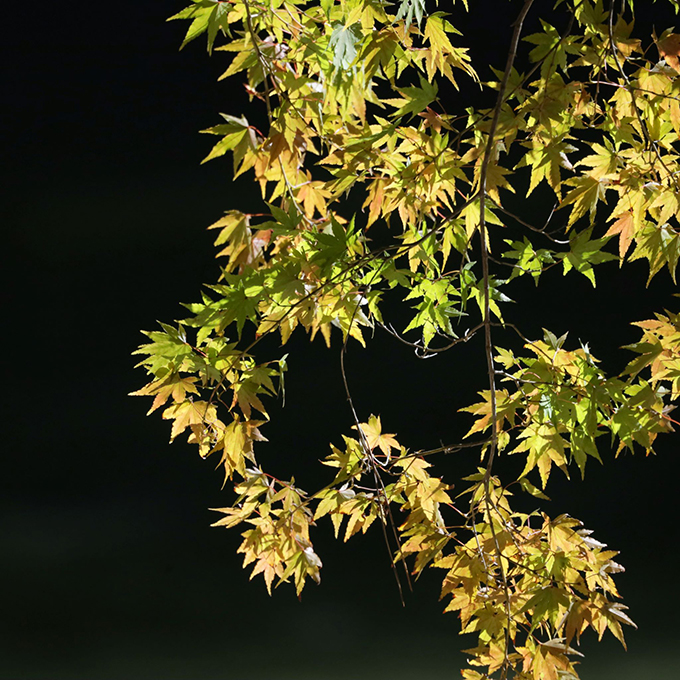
pixel 487 315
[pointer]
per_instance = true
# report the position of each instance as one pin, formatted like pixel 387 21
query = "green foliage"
pixel 352 93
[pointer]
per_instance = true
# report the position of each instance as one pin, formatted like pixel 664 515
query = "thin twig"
pixel 429 352
pixel 487 316
pixel 386 512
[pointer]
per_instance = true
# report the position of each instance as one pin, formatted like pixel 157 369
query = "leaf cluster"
pixel 353 94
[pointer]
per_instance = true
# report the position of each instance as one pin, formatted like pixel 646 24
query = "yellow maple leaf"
pixel 188 413
pixel 375 438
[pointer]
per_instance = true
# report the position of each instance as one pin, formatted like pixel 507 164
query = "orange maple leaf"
pixel 625 228
pixel 669 49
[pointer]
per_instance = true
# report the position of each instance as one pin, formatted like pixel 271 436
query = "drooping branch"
pixel 488 343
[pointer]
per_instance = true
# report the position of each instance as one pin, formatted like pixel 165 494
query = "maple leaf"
pixel 625 228
pixel 442 54
pixel 375 438
pixel 585 253
pixel 410 9
pixel 188 413
pixel 252 382
pixel 577 620
pixel 200 13
pixel 174 386
pixel 237 136
pixel 235 233
pixel 529 260
pixel 431 492
pixel 585 196
pixel 343 42
pixel 506 408
pixel 669 49
pixel 432 119
pixel 549 664
pixel 659 245
pixel 545 446
pixel 545 159
pixel 414 99
pixel 270 567
pixel 547 604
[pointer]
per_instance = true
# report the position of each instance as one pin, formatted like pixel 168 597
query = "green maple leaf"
pixel 343 42
pixel 529 261
pixel 584 254
pixel 546 605
pixel 408 9
pixel 206 15
pixel 415 99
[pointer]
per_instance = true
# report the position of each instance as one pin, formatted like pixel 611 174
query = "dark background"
pixel 109 567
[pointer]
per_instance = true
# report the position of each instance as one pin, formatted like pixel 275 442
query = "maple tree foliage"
pixel 351 94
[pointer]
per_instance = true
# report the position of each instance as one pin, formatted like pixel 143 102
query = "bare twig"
pixel 423 352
